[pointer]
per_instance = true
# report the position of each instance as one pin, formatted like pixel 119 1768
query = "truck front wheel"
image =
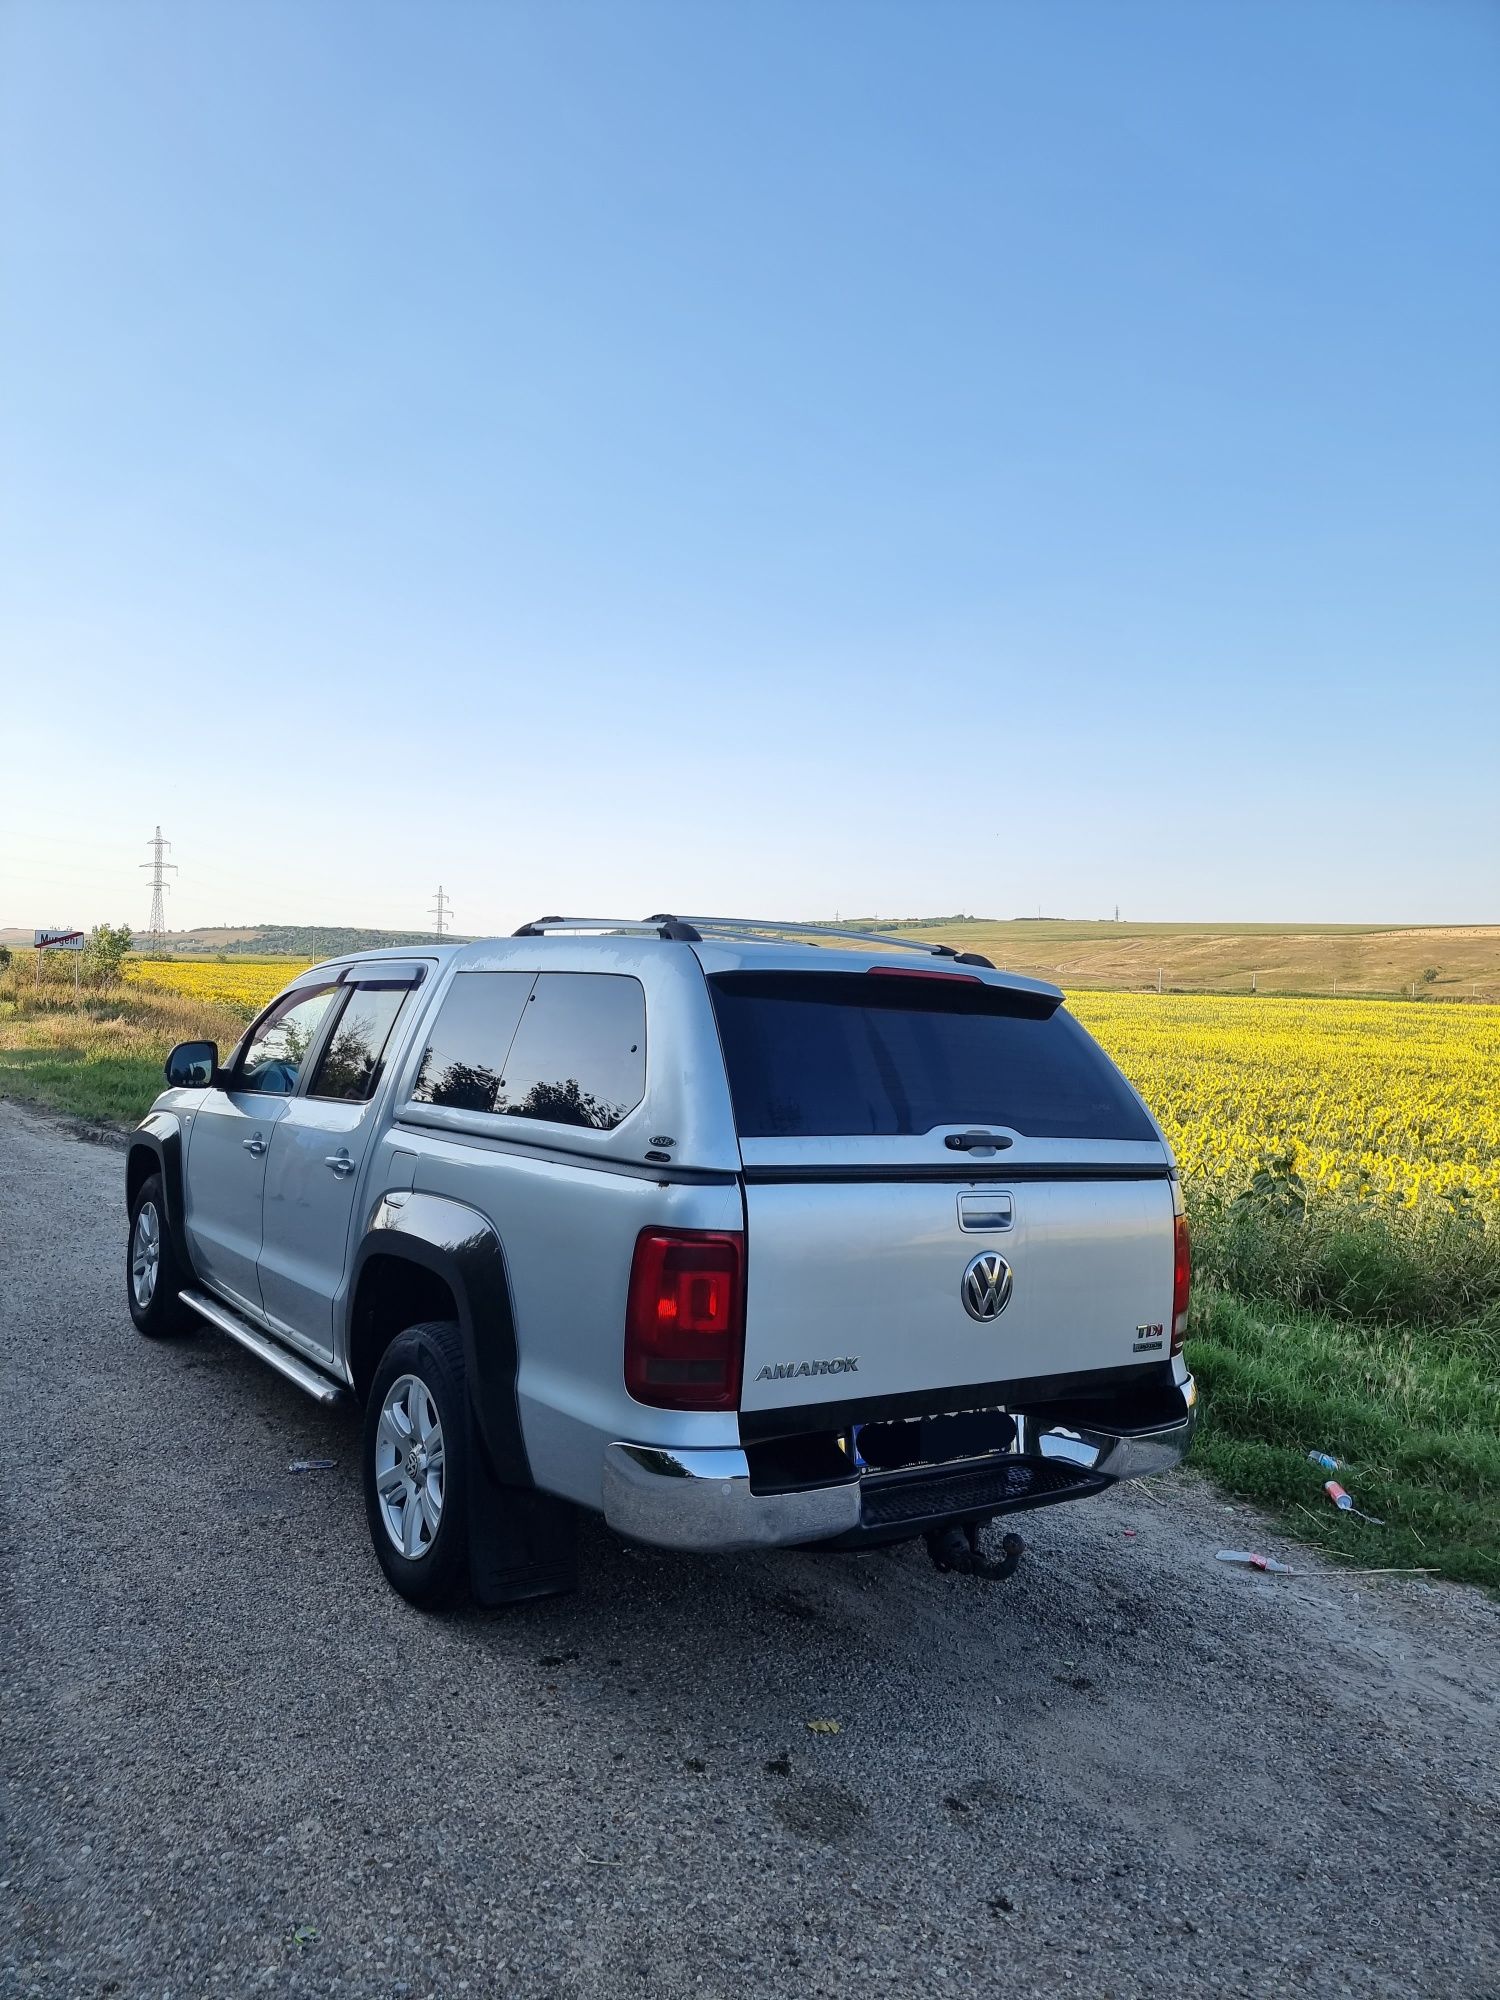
pixel 152 1279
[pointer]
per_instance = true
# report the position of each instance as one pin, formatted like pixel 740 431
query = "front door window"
pixel 274 1055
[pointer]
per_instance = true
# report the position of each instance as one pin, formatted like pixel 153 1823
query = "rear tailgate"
pixel 948 1186
pixel 858 1289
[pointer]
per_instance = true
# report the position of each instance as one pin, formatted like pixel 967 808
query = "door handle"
pixel 341 1164
pixel 257 1145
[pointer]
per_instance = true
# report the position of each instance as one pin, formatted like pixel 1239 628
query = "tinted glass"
pixel 579 1057
pixel 274 1054
pixel 465 1054
pixel 350 1066
pixel 817 1054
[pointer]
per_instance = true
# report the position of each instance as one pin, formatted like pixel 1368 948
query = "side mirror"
pixel 192 1065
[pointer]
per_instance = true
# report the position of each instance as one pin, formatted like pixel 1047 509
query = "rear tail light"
pixel 685 1319
pixel 1182 1282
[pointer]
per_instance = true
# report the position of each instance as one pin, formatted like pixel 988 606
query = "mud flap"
pixel 522 1543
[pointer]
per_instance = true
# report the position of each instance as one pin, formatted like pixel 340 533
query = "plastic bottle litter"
pixel 1254 1561
pixel 1345 1505
pixel 312 1465
pixel 1325 1459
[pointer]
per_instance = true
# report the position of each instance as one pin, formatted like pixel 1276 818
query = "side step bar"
pixel 320 1387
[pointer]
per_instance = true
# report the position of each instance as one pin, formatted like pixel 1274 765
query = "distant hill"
pixel 1463 960
pixel 288 941
pixel 1378 959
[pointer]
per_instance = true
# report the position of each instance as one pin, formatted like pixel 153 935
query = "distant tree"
pixel 4 957
pixel 104 953
pixel 1429 975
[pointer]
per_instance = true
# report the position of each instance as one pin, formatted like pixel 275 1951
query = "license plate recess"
pixel 885 1447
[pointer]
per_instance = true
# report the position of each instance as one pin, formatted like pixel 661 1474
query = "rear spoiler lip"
pixel 765 1175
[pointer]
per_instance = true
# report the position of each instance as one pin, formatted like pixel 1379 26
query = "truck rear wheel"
pixel 415 1465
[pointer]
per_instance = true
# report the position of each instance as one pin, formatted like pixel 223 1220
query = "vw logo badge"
pixel 987 1285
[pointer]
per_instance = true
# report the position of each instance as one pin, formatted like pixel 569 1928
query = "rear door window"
pixel 352 1060
pixel 579 1056
pixel 814 1055
pixel 464 1059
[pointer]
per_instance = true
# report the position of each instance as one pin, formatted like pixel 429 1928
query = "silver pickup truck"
pixel 737 1233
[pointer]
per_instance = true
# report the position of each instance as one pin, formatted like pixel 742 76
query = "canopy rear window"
pixel 568 1048
pixel 818 1054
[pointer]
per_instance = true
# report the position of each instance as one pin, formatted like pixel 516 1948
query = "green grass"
pixel 1373 1335
pixel 98 1056
pixel 1435 1269
pixel 1412 1414
pixel 109 1090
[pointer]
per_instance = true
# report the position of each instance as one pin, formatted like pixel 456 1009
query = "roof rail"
pixel 666 927
pixel 692 930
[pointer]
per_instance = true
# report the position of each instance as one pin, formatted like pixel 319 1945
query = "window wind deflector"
pixel 388 973
pixel 978 1142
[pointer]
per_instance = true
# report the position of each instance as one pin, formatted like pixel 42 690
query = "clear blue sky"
pixel 785 457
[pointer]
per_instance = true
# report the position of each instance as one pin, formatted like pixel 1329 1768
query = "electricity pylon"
pixel 156 927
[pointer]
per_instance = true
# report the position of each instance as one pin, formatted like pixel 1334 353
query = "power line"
pixel 442 910
pixel 157 923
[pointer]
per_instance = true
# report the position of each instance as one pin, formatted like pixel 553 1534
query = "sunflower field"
pixel 247 983
pixel 1374 1101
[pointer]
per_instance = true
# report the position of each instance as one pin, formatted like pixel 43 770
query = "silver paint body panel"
pixel 868 1268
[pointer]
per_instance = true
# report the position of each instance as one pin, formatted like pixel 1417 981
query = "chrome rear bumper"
pixel 1121 1454
pixel 702 1500
pixel 682 1498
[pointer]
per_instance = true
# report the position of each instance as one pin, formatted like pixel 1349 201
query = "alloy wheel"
pixel 145 1255
pixel 409 1465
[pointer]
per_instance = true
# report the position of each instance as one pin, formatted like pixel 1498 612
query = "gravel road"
pixel 232 1761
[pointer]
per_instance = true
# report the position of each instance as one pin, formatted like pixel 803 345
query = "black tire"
pixel 436 1574
pixel 153 1278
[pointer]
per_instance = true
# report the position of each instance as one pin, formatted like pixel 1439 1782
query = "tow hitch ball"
pixel 955 1546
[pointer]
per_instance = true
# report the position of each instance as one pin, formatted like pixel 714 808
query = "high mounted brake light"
pixel 915 972
pixel 685 1319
